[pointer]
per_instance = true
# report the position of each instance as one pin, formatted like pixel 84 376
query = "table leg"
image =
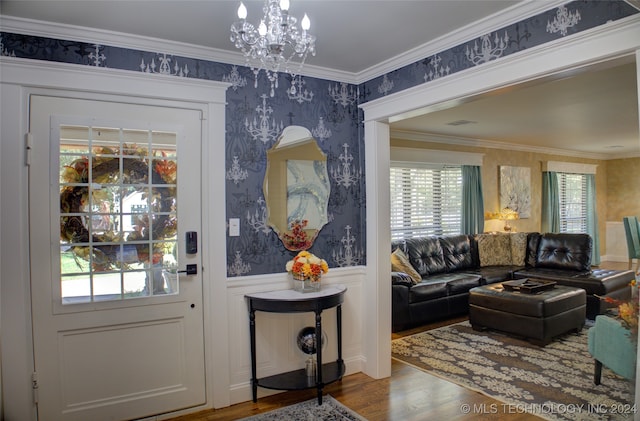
pixel 319 383
pixel 252 331
pixel 339 322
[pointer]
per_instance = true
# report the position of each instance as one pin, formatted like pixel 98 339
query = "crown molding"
pixel 511 15
pixel 623 156
pixel 634 3
pixel 492 144
pixel 137 42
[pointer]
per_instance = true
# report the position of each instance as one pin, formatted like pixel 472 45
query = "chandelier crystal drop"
pixel 276 43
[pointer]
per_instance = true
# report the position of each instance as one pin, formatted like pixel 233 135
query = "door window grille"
pixel 118 213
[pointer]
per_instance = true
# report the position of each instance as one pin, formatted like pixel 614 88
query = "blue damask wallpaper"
pixel 254 121
pixel 551 25
pixel 328 109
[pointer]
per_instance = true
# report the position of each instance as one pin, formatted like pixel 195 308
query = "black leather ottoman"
pixel 538 317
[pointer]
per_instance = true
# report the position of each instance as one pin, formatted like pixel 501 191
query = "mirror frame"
pixel 294 144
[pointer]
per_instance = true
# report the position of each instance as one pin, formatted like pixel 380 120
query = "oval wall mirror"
pixel 296 188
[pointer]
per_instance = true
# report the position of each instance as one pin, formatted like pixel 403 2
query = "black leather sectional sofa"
pixel 445 268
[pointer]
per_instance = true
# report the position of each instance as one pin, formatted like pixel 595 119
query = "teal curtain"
pixel 592 218
pixel 550 202
pixel 472 200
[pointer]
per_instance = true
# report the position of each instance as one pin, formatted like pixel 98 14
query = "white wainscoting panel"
pixel 616 243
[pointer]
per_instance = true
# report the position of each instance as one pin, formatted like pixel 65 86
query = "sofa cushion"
pixel 427 290
pixel 457 252
pixel 463 284
pixel 400 263
pixel 518 248
pixel 493 274
pixel 494 249
pixel 565 251
pixel 425 255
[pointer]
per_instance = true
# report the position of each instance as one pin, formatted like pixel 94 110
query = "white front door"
pixel 114 188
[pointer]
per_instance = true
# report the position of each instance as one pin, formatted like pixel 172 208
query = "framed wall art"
pixel 515 189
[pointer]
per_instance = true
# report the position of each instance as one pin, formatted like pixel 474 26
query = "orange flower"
pixel 296 238
pixel 627 310
pixel 307 265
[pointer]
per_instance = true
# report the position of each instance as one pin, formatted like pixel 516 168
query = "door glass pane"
pixel 118 213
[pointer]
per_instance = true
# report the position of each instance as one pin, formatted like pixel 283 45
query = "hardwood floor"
pixel 408 395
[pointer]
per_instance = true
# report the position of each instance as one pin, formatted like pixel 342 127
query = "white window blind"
pixel 425 200
pixel 573 202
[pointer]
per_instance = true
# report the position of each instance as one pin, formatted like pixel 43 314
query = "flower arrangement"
pixel 307 266
pixel 627 310
pixel 296 238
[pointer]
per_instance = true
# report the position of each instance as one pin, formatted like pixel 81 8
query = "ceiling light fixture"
pixel 461 122
pixel 276 42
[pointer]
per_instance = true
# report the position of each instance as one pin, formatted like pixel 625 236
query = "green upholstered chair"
pixel 632 232
pixel 612 345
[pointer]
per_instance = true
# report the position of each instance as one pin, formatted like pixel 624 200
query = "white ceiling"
pixel 377 30
pixel 592 113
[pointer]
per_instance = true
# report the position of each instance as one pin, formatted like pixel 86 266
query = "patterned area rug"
pixel 309 410
pixel 554 382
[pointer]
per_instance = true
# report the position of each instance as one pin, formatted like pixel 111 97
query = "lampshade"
pixel 507 214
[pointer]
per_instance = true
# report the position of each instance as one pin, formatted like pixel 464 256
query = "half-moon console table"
pixel 290 301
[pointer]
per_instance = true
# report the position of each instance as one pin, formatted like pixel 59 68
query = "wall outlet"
pixel 234 227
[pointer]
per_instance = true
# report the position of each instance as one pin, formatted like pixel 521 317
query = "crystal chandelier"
pixel 276 42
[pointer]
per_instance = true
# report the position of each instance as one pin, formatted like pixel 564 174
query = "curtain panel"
pixel 550 202
pixel 472 200
pixel 592 218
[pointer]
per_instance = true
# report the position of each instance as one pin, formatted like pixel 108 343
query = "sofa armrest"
pixel 401 278
pixel 400 314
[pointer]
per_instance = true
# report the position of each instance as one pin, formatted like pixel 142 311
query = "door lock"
pixel 191 270
pixel 191 238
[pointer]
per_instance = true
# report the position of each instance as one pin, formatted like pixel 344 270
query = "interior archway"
pixel 615 41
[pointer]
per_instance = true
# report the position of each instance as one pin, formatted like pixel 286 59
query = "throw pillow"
pixel 518 248
pixel 494 249
pixel 400 263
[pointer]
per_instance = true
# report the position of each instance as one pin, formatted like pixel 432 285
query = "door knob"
pixel 191 270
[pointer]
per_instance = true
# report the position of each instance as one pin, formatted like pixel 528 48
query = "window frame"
pixel 568 219
pixel 439 224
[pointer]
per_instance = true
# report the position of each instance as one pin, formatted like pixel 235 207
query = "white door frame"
pixel 608 41
pixel 23 77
